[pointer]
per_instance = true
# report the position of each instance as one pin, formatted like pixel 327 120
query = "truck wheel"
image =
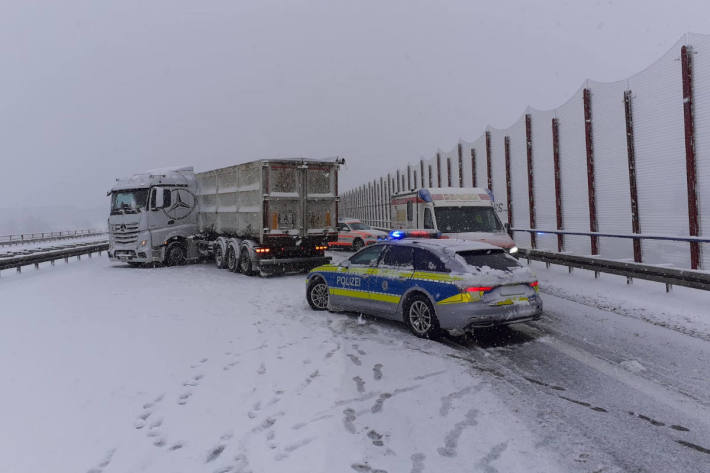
pixel 175 254
pixel 245 266
pixel 232 263
pixel 317 294
pixel 420 317
pixel 219 258
pixel 357 245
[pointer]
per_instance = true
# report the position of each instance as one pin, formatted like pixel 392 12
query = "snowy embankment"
pixel 110 368
pixel 38 246
pixel 683 309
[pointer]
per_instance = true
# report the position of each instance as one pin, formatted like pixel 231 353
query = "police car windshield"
pixel 467 219
pixel 494 259
pixel 359 226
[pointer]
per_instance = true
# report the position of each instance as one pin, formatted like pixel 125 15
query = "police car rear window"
pixel 494 259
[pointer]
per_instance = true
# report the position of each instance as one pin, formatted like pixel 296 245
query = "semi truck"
pixel 464 213
pixel 260 217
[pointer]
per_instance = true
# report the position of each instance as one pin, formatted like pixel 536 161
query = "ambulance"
pixel 463 213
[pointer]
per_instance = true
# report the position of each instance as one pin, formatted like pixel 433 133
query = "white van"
pixel 463 213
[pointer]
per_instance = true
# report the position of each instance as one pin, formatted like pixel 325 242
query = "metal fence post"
pixel 438 169
pixel 590 169
pixel 473 167
pixel 558 183
pixel 531 183
pixel 631 154
pixel 690 166
pixel 488 161
pixel 508 189
pixel 460 165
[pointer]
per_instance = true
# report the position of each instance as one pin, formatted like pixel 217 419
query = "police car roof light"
pixel 399 234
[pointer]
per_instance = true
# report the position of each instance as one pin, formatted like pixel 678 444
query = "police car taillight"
pixel 479 289
pixel 534 285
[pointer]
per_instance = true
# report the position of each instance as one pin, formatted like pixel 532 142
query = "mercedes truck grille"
pixel 124 233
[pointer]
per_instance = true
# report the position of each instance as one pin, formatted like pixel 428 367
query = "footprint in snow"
pixel 377 371
pixel 182 400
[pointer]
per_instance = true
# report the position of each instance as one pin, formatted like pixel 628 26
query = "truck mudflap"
pixel 282 265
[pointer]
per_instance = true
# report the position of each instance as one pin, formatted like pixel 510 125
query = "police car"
pixel 429 284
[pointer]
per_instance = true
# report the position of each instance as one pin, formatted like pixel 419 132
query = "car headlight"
pixel 513 250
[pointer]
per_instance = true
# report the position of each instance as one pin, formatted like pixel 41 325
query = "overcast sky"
pixel 93 90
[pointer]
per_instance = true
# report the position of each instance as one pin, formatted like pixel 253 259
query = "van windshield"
pixel 128 201
pixel 467 219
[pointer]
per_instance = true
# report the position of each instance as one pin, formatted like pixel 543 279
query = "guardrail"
pixel 51 256
pixel 669 276
pixel 46 236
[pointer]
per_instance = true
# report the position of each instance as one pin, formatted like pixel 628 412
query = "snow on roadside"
pixel 683 309
pixel 107 368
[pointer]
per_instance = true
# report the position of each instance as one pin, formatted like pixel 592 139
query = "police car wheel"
pixel 317 294
pixel 420 317
pixel 358 244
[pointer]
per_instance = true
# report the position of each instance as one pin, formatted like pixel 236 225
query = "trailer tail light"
pixel 321 247
pixel 261 251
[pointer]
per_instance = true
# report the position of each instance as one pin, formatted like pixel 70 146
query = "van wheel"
pixel 232 262
pixel 317 294
pixel 357 245
pixel 420 317
pixel 219 258
pixel 245 266
pixel 175 254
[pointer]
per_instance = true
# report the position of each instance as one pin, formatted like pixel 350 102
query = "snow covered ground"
pixel 108 368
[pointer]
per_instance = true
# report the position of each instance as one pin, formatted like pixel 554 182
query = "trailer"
pixel 261 217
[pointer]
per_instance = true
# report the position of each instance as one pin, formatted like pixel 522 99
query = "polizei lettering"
pixel 349 281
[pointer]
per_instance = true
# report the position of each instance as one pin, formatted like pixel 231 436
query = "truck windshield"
pixel 128 201
pixel 467 219
pixel 359 226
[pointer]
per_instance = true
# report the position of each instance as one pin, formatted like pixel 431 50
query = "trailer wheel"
pixel 245 266
pixel 219 258
pixel 232 263
pixel 175 254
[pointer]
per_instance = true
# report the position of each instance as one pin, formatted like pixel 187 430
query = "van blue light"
pixel 425 195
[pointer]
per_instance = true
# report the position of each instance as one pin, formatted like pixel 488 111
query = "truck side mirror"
pixel 506 225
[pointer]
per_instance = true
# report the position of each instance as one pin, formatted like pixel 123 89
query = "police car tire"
pixel 433 330
pixel 311 286
pixel 358 244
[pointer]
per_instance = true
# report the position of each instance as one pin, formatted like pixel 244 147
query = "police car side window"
pixel 427 261
pixel 367 256
pixel 398 256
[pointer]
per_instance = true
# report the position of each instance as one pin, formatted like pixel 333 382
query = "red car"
pixel 353 234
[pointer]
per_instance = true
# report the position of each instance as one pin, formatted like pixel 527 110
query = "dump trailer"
pixel 260 217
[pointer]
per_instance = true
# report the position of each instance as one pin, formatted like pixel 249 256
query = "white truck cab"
pixel 463 213
pixel 148 210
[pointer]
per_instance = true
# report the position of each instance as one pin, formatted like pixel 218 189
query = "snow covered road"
pixel 108 368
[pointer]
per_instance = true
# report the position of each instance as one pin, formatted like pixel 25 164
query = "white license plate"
pixel 512 290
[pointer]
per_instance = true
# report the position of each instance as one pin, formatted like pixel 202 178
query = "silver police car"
pixel 430 284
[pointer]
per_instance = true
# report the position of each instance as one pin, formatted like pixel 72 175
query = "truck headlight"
pixel 144 242
pixel 513 250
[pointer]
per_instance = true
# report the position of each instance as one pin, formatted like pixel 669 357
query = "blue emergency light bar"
pixel 400 234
